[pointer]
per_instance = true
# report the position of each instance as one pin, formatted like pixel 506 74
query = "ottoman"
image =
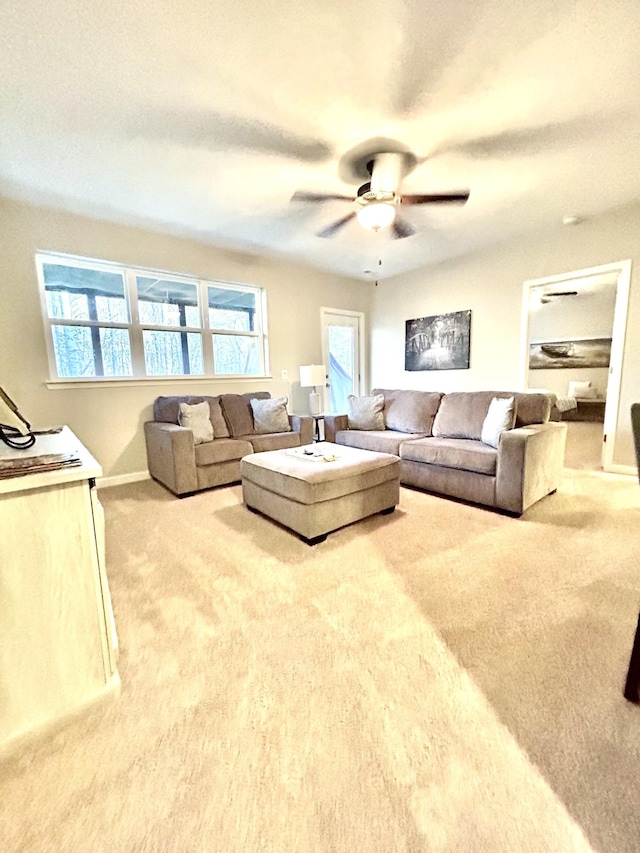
pixel 320 487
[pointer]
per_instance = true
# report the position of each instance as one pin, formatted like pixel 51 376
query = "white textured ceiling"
pixel 203 117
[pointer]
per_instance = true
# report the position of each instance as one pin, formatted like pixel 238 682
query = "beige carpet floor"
pixel 441 679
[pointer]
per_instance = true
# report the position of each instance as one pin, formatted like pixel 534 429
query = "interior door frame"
pixel 618 332
pixel 362 365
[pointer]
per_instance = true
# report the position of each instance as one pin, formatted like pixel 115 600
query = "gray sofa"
pixel 437 437
pixel 184 467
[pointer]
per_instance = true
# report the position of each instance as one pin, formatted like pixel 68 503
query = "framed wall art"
pixel 592 352
pixel 441 342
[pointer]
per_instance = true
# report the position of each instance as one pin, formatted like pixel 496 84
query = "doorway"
pixel 343 356
pixel 584 309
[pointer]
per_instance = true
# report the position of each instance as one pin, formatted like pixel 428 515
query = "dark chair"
pixel 632 686
pixel 635 429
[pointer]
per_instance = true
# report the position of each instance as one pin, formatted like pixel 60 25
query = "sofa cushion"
pixel 220 429
pixel 464 454
pixel 167 409
pixel 531 408
pixel 500 417
pixel 221 450
pixel 196 417
pixel 379 441
pixel 461 414
pixel 366 412
pixel 236 409
pixel 273 441
pixel 270 415
pixel 410 411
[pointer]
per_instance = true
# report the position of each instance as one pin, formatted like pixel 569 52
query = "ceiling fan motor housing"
pixel 366 195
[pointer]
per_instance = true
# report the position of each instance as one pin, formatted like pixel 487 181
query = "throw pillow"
pixel 366 412
pixel 582 390
pixel 196 417
pixel 500 417
pixel 270 415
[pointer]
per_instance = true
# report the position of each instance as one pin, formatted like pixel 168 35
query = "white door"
pixel 342 340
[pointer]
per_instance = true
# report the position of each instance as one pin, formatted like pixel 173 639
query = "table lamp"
pixel 312 375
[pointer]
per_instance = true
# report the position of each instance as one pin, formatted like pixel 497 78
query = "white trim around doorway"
pixel 363 367
pixel 623 271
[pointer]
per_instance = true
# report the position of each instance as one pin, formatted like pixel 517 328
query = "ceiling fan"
pixel 376 202
pixel 549 297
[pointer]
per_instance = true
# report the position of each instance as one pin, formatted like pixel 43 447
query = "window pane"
pixel 341 366
pixel 91 351
pixel 112 309
pixel 74 351
pixel 196 361
pixel 167 303
pixel 74 293
pixel 236 354
pixel 116 352
pixel 232 310
pixel 172 353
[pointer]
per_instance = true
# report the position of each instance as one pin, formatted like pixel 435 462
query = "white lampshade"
pixel 312 375
pixel 376 215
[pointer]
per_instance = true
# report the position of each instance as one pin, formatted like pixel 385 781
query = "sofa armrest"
pixel 530 465
pixel 304 425
pixel 333 424
pixel 171 456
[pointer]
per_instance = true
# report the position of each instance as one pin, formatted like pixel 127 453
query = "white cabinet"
pixel 58 643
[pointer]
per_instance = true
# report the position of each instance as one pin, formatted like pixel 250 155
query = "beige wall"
pixel 490 284
pixel 109 419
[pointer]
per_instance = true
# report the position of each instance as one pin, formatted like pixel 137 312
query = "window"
pixel 108 321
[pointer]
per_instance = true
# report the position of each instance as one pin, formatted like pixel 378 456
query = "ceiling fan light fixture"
pixel 376 215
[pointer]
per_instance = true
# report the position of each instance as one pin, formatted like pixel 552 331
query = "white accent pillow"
pixel 366 412
pixel 500 417
pixel 582 391
pixel 197 418
pixel 270 415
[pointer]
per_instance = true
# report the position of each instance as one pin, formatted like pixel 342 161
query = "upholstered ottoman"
pixel 321 490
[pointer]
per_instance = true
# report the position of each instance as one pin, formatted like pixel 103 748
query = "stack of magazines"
pixel 19 467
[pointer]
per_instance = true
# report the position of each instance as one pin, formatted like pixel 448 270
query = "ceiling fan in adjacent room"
pixel 549 296
pixel 377 201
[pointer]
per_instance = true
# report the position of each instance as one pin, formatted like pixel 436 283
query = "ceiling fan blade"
pixel 330 230
pixel 319 197
pixel 532 139
pixel 216 131
pixel 401 228
pixel 435 198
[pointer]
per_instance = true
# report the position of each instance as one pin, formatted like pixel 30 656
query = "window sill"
pixel 122 382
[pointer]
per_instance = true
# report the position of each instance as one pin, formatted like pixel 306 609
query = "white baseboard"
pixel 623 469
pixel 122 479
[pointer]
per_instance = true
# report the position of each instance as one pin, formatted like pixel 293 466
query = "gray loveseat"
pixel 184 467
pixel 437 437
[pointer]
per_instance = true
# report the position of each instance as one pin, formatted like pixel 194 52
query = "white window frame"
pixel 136 328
